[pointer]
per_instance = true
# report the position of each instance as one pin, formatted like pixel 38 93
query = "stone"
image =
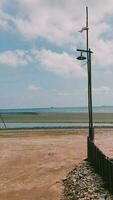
pixel 83 184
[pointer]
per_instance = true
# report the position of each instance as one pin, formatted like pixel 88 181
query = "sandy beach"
pixel 33 163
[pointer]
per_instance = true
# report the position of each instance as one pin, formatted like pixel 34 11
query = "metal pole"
pixel 87 34
pixel 91 130
pixel 87 47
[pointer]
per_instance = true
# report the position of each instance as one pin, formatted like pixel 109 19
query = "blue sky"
pixel 38 42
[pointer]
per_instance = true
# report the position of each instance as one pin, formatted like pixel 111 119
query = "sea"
pixel 101 109
pixel 96 109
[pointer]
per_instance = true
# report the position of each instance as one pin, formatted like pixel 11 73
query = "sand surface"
pixel 33 163
pixel 104 140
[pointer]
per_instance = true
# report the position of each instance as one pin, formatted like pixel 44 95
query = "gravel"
pixel 82 183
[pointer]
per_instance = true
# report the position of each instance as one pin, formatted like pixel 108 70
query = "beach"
pixel 33 163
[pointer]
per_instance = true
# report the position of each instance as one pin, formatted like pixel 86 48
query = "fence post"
pixel 101 163
pixel 111 166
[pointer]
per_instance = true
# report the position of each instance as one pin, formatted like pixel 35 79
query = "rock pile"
pixel 83 184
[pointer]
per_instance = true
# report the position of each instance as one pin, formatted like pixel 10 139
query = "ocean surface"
pixel 52 125
pixel 103 109
pixel 96 109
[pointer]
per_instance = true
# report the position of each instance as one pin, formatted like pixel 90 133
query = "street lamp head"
pixel 81 57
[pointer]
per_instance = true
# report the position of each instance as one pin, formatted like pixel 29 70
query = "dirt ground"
pixel 104 141
pixel 33 163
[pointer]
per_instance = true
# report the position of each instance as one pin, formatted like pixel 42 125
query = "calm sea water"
pixel 53 125
pixel 58 110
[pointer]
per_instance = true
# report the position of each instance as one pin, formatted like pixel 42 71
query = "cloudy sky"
pixel 38 42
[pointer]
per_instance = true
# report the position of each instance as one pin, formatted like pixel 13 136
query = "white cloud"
pixel 102 90
pixel 46 26
pixel 64 93
pixel 61 64
pixel 103 52
pixel 102 48
pixel 59 22
pixel 33 88
pixel 7 21
pixel 55 21
pixel 14 58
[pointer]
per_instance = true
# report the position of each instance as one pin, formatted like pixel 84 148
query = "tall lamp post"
pixel 81 57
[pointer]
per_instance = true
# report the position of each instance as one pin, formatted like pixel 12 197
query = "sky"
pixel 38 42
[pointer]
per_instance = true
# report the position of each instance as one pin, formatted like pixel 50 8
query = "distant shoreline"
pixel 55 117
pixel 53 109
pixel 54 120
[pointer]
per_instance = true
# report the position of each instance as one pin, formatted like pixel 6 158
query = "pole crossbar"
pixel 82 50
